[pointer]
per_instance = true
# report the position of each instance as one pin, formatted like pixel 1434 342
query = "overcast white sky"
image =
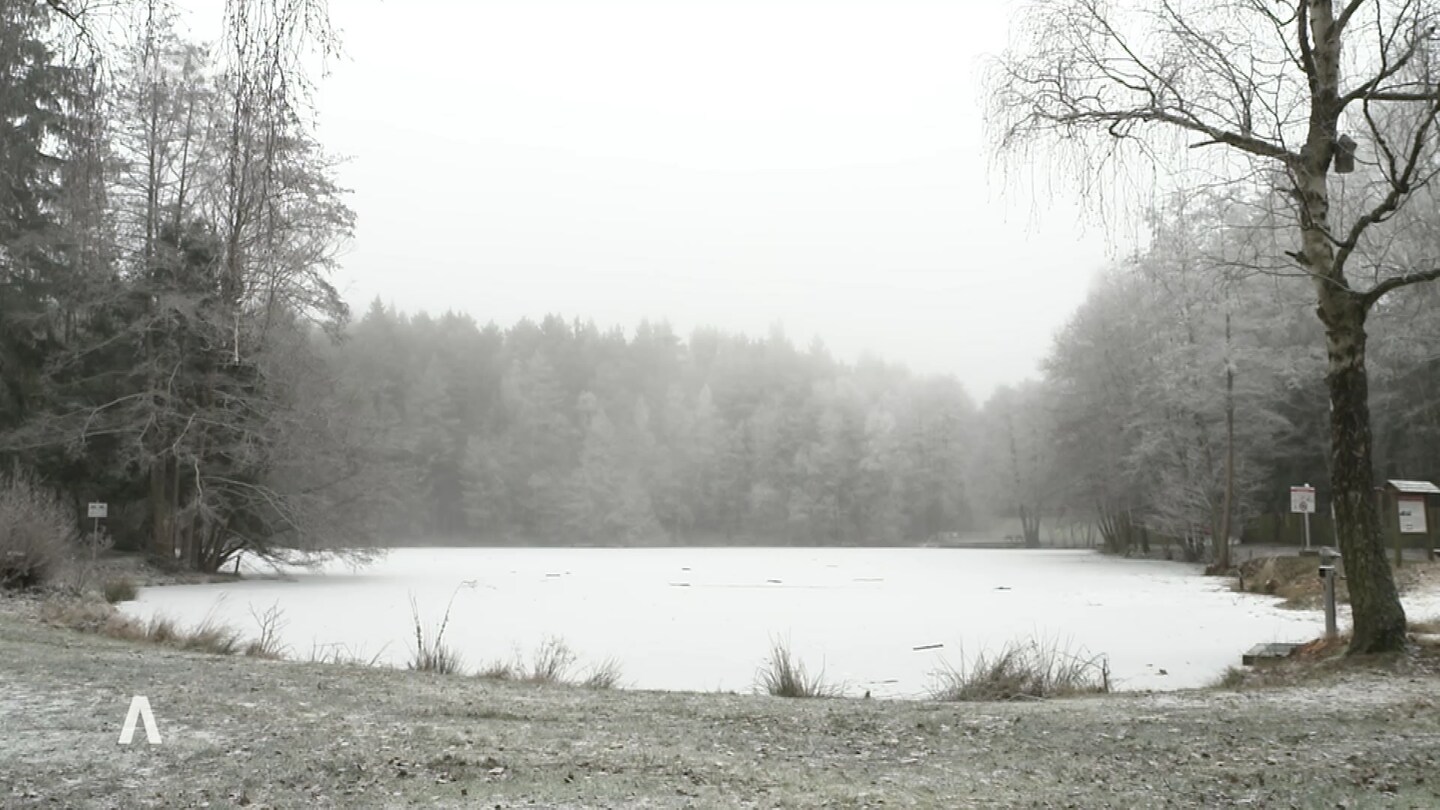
pixel 815 163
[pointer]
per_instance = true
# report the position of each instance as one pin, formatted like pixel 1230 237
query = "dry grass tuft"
pixel 1232 678
pixel 94 616
pixel 499 670
pixel 784 675
pixel 431 654
pixel 604 675
pixel 161 630
pixel 85 615
pixel 1321 649
pixel 341 655
pixel 1024 670
pixel 552 662
pixel 119 590
pixel 1293 579
pixel 209 637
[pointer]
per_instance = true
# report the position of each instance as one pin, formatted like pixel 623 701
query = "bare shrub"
pixel 85 562
pixel 784 675
pixel 267 643
pixel 1231 678
pixel 1021 670
pixel 37 532
pixel 552 662
pixel 120 590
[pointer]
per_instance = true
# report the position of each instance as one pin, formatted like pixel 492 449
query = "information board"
pixel 1412 514
pixel 1302 499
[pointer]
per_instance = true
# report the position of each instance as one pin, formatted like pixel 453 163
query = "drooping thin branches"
pixel 1261 78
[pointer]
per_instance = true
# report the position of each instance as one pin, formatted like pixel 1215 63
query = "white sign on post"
pixel 1302 499
pixel 1412 515
pixel 99 510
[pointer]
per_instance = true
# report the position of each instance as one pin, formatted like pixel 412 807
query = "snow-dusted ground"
pixel 1419 605
pixel 239 731
pixel 703 619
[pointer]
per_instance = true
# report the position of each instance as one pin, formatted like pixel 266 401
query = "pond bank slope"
pixel 245 732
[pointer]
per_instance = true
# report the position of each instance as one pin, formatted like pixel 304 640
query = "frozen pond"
pixel 703 619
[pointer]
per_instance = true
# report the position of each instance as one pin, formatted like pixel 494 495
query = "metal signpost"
pixel 1327 576
pixel 1302 500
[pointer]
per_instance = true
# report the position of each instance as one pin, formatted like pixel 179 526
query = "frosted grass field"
pixel 704 619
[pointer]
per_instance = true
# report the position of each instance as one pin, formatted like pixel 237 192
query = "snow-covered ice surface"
pixel 703 619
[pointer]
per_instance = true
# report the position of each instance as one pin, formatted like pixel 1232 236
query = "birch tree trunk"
pixel 1375 602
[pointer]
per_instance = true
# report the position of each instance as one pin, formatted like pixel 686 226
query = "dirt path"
pixel 245 732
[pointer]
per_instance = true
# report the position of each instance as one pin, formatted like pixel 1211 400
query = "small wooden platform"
pixel 1267 653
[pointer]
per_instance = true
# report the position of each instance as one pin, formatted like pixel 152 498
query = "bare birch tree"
pixel 1295 93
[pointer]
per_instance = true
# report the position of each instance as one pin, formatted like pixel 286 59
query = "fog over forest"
pixel 563 432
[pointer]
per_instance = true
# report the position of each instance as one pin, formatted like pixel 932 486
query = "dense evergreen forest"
pixel 562 432
pixel 167 222
pixel 170 343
